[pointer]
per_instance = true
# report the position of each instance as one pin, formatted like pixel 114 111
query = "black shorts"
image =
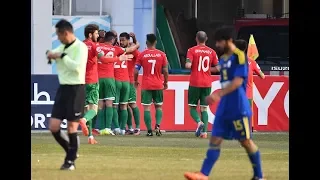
pixel 69 102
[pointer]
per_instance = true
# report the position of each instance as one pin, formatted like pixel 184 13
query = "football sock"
pixel 90 114
pixel 136 115
pixel 147 120
pixel 123 118
pixel 158 116
pixel 101 118
pixel 213 154
pixel 109 115
pixel 89 125
pixel 256 163
pixel 194 114
pixel 73 146
pixel 94 122
pixel 61 140
pixel 129 120
pixel 115 120
pixel 204 119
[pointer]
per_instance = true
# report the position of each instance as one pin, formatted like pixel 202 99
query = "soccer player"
pixel 92 86
pixel 124 43
pixel 199 59
pixel 154 63
pixel 253 68
pixel 116 43
pixel 101 36
pixel 71 60
pixel 233 112
pixel 107 87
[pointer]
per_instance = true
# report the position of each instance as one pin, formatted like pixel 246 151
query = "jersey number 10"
pixel 204 63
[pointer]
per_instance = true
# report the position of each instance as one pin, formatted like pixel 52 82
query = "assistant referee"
pixel 71 59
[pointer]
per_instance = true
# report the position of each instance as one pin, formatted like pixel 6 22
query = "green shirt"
pixel 72 67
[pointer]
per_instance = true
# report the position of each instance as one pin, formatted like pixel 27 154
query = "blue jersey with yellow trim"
pixel 234 104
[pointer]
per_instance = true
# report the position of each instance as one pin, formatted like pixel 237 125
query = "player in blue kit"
pixel 233 112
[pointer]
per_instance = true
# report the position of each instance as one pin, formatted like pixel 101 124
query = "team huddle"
pixel 112 79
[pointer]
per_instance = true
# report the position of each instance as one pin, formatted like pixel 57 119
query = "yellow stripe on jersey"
pixel 241 56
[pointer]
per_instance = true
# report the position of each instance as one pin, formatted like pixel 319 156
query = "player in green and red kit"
pixel 154 63
pixel 124 43
pixel 107 91
pixel 92 86
pixel 200 58
pixel 253 69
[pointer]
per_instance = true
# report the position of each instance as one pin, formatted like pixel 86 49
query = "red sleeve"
pixel 214 59
pixel 255 67
pixel 189 55
pixel 108 59
pixel 94 49
pixel 119 50
pixel 138 60
pixel 136 53
pixel 165 60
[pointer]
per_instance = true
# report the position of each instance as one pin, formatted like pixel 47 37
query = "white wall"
pixel 41 35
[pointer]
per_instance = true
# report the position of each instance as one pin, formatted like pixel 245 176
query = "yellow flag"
pixel 252 49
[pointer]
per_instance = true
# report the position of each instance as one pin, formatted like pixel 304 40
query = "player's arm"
pixel 189 59
pixel 133 36
pixel 257 70
pixel 165 72
pixel 74 64
pixel 215 64
pixel 132 48
pixel 215 69
pixel 136 71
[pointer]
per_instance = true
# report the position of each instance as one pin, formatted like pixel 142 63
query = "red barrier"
pixel 271 104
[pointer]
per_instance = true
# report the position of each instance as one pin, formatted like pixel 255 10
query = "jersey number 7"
pixel 153 63
pixel 204 63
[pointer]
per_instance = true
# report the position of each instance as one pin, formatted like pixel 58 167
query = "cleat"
pixel 203 135
pixel 149 133
pixel 199 129
pixel 91 140
pixel 68 165
pixel 136 132
pixel 84 127
pixel 95 132
pixel 78 155
pixel 129 132
pixel 256 178
pixel 106 132
pixel 195 176
pixel 157 130
pixel 116 131
pixel 122 132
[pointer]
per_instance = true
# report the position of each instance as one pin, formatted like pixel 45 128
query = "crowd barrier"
pixel 271 103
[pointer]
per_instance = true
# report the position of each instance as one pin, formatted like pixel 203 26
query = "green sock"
pixel 101 119
pixel 89 125
pixel 136 115
pixel 194 114
pixel 129 120
pixel 94 121
pixel 204 119
pixel 109 115
pixel 90 114
pixel 147 120
pixel 158 116
pixel 115 120
pixel 123 118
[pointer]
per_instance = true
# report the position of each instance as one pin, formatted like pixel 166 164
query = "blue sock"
pixel 213 154
pixel 256 163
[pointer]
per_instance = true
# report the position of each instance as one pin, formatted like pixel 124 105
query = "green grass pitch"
pixel 157 158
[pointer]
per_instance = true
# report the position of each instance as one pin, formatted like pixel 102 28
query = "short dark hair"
pixel 201 36
pixel 241 44
pixel 125 34
pixel 224 33
pixel 109 36
pixel 90 28
pixel 151 38
pixel 64 25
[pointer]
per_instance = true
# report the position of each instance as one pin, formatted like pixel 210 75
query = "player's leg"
pixel 115 119
pixel 134 108
pixel 109 112
pixel 193 98
pixel 123 103
pixel 218 133
pixel 130 130
pixel 251 118
pixel 204 92
pixel 101 104
pixel 157 96
pixel 146 101
pixel 242 132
